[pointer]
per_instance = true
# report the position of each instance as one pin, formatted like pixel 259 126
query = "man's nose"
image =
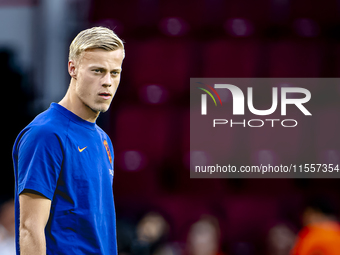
pixel 107 80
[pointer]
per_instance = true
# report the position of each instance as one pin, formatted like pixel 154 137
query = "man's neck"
pixel 72 103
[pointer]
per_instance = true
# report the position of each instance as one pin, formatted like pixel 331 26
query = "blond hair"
pixel 94 38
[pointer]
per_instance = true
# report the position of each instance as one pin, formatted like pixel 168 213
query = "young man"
pixel 63 161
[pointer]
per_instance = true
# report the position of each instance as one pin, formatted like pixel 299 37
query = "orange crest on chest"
pixel 108 150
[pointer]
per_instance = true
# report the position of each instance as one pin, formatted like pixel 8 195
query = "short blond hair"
pixel 94 38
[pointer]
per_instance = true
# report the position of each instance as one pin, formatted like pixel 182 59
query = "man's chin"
pixel 99 108
pixel 104 110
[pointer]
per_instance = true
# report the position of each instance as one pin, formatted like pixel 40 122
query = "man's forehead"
pixel 101 52
pixel 101 55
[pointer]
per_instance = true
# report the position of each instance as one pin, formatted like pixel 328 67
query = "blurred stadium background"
pixel 167 42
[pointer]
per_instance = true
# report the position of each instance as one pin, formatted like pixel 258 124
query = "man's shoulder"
pixel 51 118
pixel 47 125
pixel 102 133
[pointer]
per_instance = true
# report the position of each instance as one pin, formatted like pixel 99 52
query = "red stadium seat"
pixel 325 12
pixel 142 141
pixel 230 58
pixel 289 58
pixel 166 62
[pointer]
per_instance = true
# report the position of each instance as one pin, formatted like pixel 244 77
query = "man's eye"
pixel 97 70
pixel 115 73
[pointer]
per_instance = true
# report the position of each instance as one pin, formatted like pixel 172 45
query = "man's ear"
pixel 72 70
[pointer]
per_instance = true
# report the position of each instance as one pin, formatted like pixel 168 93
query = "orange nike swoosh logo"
pixel 80 150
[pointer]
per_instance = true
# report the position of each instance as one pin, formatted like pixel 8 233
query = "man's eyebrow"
pixel 103 68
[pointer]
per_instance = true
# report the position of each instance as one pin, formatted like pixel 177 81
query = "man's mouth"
pixel 105 95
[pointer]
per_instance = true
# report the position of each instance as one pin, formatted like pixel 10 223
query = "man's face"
pixel 97 75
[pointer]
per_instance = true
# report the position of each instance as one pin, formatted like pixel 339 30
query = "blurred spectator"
pixel 321 234
pixel 204 237
pixel 151 232
pixel 7 232
pixel 125 235
pixel 169 249
pixel 280 240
